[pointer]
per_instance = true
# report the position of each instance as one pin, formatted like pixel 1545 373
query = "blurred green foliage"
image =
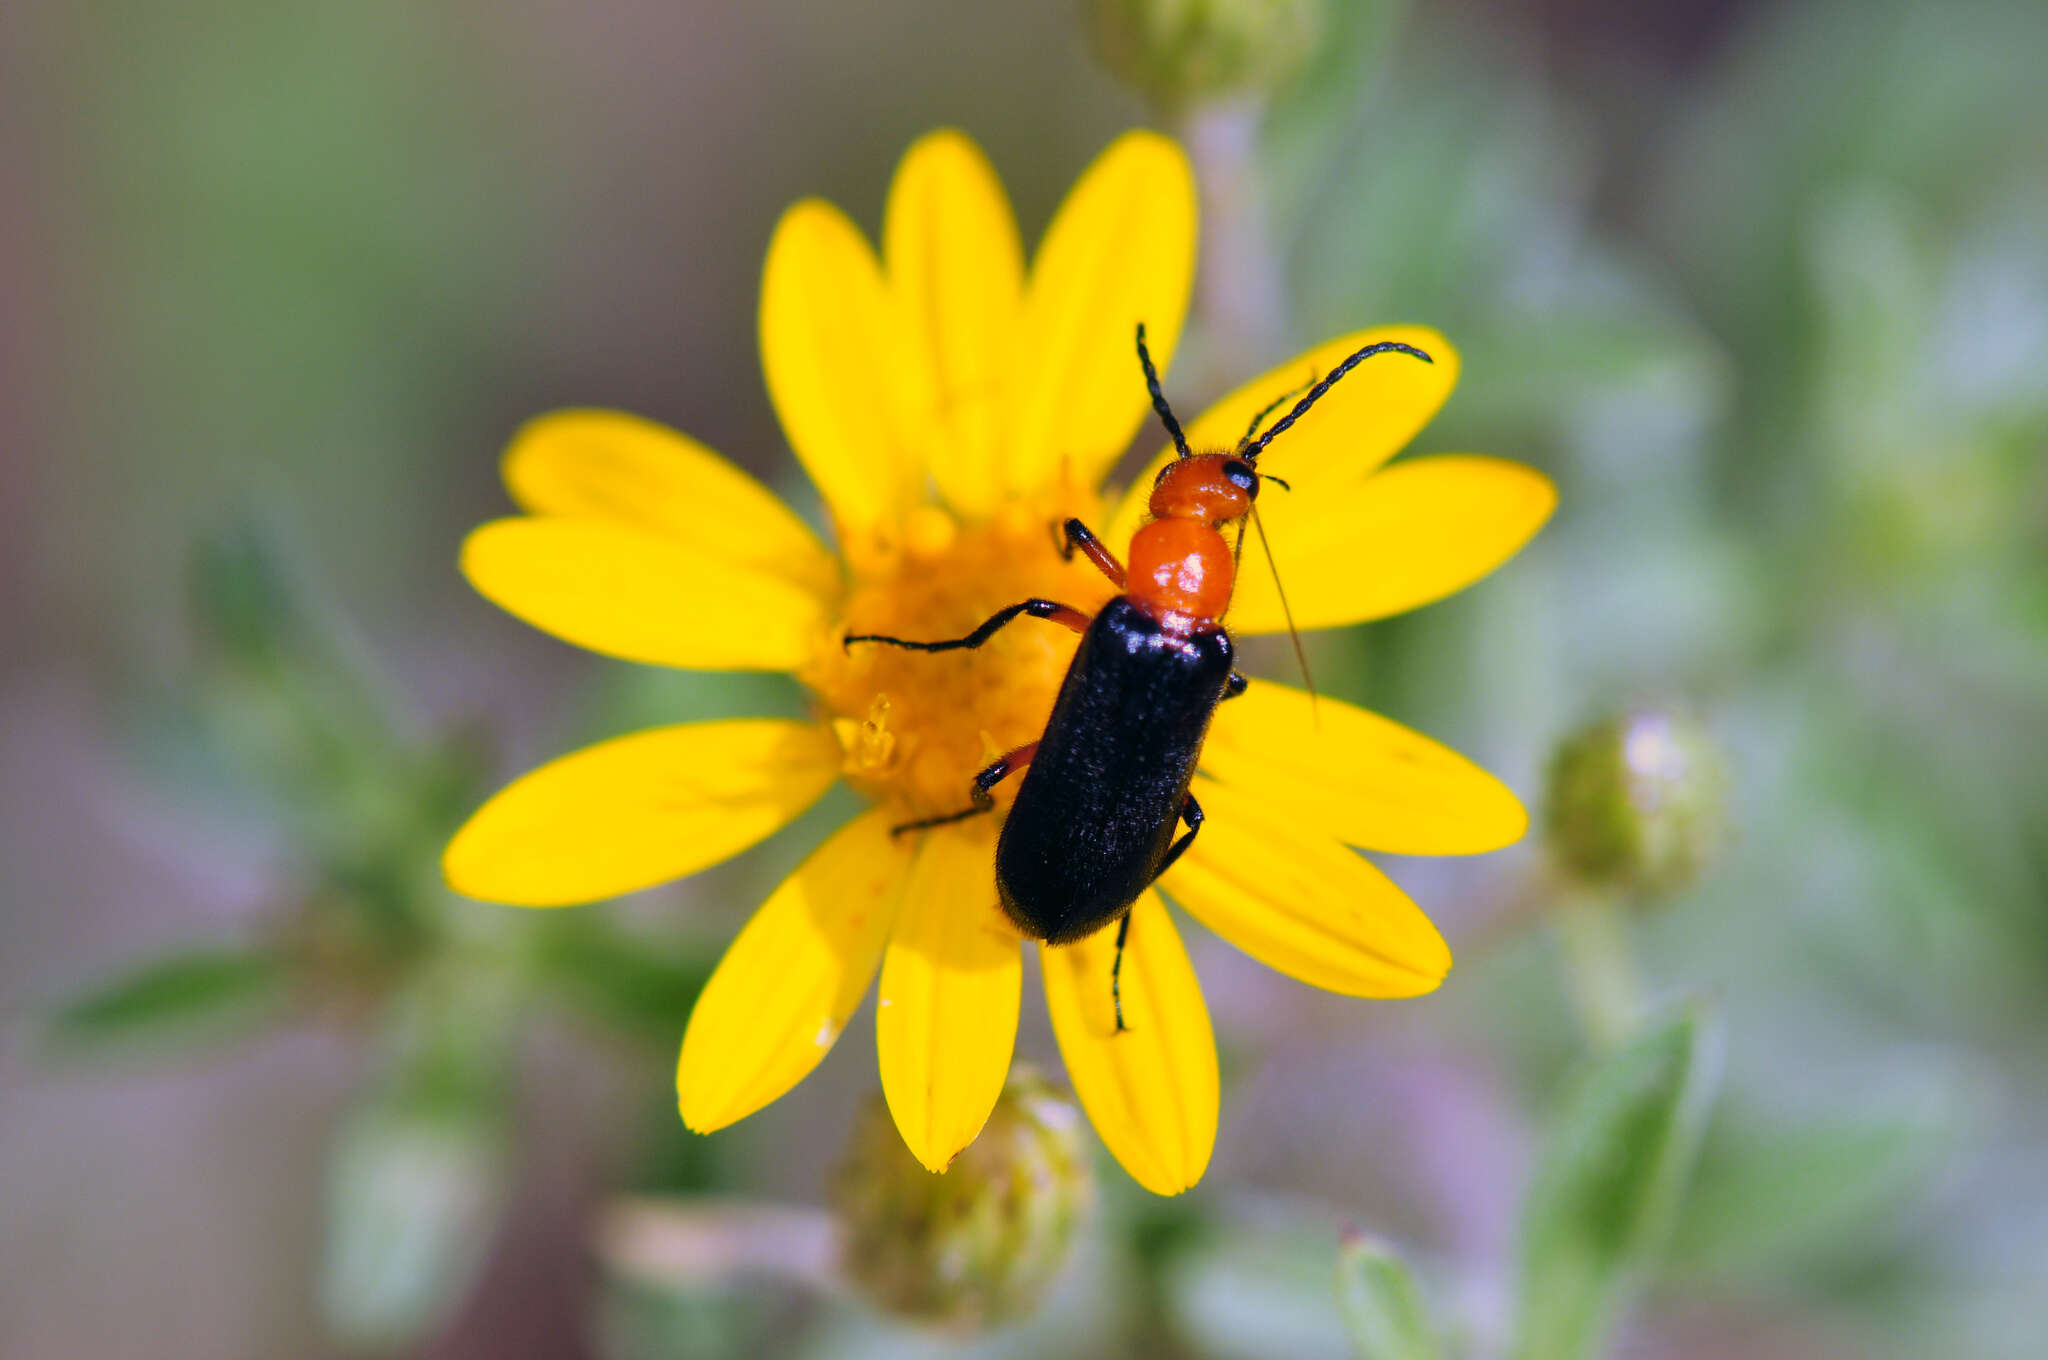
pixel 1613 1170
pixel 1776 319
pixel 1382 1304
pixel 286 725
pixel 194 993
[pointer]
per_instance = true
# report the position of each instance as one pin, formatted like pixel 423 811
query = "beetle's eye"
pixel 1242 477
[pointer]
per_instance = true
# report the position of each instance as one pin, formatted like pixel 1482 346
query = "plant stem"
pixel 1600 969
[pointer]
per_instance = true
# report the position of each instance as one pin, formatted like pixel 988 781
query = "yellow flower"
pixel 952 407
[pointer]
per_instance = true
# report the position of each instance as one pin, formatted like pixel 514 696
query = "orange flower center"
pixel 916 726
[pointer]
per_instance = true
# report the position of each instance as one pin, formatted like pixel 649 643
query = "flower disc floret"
pixel 916 726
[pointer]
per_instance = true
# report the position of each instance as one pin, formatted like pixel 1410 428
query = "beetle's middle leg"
pixel 979 792
pixel 1190 813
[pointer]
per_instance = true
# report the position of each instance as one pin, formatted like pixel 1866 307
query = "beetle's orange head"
pixel 1214 488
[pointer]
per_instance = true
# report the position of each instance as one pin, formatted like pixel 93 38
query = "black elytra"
pixel 1095 816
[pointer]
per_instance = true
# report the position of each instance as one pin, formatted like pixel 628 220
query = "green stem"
pixel 1600 969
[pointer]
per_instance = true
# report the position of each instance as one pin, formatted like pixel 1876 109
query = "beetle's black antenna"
pixel 1180 441
pixel 1315 393
pixel 1269 408
pixel 1286 611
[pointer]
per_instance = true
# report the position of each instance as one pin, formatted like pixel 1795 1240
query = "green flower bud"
pixel 980 1243
pixel 1181 51
pixel 1637 803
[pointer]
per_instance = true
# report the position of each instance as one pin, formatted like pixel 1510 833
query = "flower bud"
pixel 979 1243
pixel 1637 803
pixel 1181 51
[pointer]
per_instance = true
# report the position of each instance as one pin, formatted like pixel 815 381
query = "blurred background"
pixel 1763 284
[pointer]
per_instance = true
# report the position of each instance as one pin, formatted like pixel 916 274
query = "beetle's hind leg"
pixel 1063 614
pixel 1191 813
pixel 1116 969
pixel 979 792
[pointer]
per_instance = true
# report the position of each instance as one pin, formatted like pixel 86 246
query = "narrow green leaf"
pixel 1383 1309
pixel 1613 1167
pixel 242 599
pixel 191 996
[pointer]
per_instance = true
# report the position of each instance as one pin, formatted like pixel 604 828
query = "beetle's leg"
pixel 978 791
pixel 1116 993
pixel 1065 615
pixel 1191 813
pixel 1076 537
pixel 1235 685
pixel 1062 614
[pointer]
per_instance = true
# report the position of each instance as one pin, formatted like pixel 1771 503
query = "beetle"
pixel 1107 782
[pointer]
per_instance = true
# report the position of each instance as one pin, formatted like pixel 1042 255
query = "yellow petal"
pixel 957 272
pixel 1404 537
pixel 785 988
pixel 639 810
pixel 838 371
pixel 1121 250
pixel 610 465
pixel 1367 418
pixel 633 594
pixel 1294 897
pixel 1151 1090
pixel 1363 778
pixel 947 1020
